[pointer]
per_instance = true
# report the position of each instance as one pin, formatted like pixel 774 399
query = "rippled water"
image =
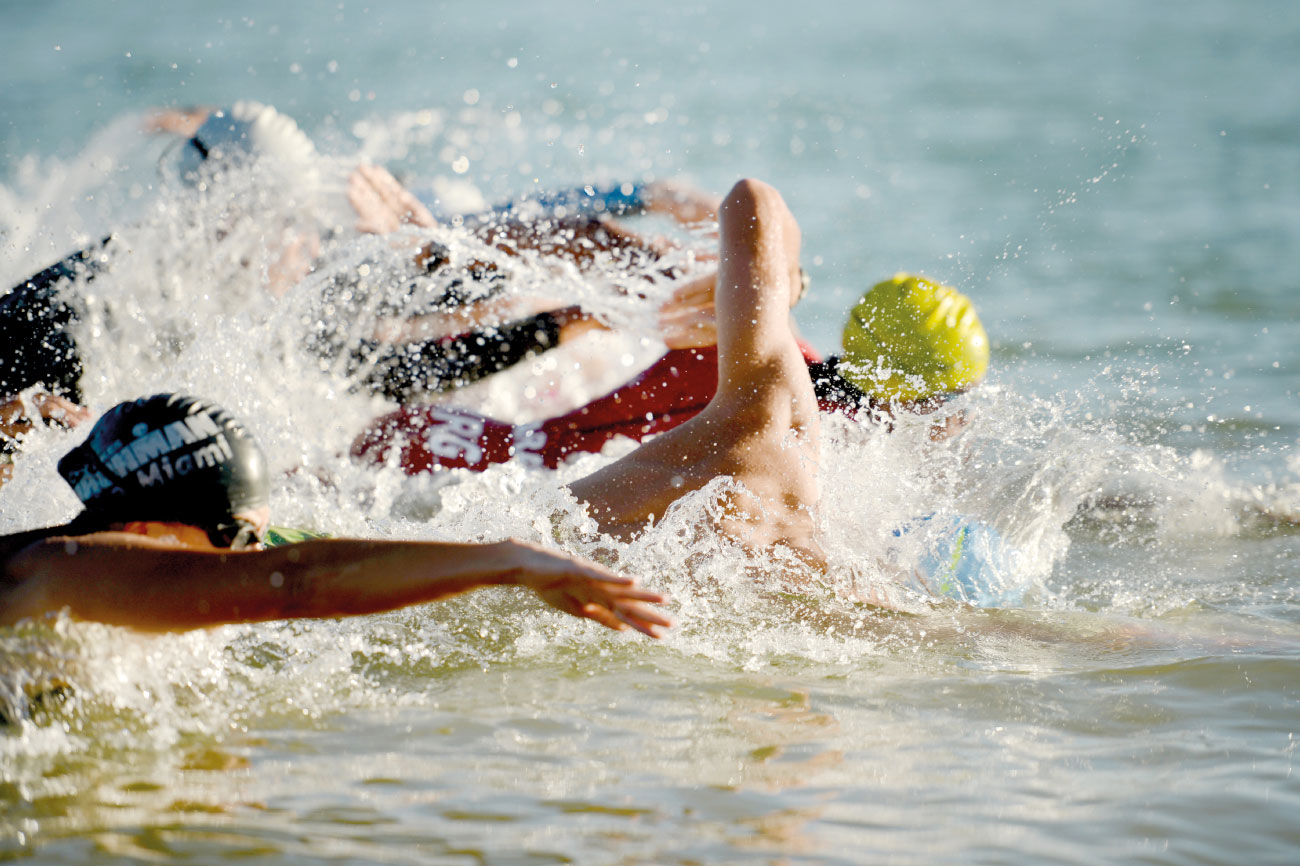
pixel 1117 188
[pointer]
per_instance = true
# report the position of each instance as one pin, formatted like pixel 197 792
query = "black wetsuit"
pixel 832 389
pixel 36 347
pixel 404 371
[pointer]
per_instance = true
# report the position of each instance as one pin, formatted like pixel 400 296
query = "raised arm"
pixel 758 281
pixel 134 581
pixel 761 426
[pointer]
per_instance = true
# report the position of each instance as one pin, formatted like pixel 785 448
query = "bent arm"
pixel 758 276
pixel 409 370
pixel 139 582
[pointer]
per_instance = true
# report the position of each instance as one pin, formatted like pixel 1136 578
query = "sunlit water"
pixel 1118 190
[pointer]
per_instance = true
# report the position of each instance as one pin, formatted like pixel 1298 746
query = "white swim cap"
pixel 250 129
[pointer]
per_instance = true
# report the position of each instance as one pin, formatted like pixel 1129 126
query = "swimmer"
pixel 175 495
pixel 38 346
pixel 760 427
pixel 39 354
pixel 910 345
pixel 470 328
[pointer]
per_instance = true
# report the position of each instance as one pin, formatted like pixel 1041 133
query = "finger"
pixel 417 213
pixel 393 193
pixel 698 337
pixel 602 615
pixel 373 175
pixel 686 324
pixel 687 312
pixel 643 595
pixel 357 181
pixel 360 192
pixel 700 287
pixel 365 183
pixel 643 614
pixel 70 414
pixel 685 298
pixel 644 625
pixel 383 179
pixel 608 577
pixel 354 195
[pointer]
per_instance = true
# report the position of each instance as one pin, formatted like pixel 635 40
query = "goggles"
pixel 238 534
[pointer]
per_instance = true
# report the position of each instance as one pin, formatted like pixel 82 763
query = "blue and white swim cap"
pixel 965 559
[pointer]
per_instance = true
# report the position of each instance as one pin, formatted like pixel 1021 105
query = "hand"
pixel 178 121
pixel 573 322
pixel 15 422
pixel 60 410
pixel 587 590
pixel 382 204
pixel 688 319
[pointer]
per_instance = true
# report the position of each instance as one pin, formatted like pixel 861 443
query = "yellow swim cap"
pixel 910 339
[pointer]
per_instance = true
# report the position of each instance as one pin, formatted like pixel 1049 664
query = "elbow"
pixel 293 592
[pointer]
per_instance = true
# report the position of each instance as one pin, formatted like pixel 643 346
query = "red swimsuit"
pixel 669 393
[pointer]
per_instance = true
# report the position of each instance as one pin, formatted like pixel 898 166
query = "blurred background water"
pixel 1116 185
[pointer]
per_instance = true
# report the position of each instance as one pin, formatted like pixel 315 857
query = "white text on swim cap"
pixel 90 483
pixel 209 455
pixel 150 445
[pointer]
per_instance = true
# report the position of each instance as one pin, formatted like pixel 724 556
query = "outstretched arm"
pixel 135 581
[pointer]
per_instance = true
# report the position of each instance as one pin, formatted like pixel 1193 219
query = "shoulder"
pixel 20 594
pixel 12 546
pixel 30 554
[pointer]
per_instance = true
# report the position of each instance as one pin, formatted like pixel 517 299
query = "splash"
pixel 183 304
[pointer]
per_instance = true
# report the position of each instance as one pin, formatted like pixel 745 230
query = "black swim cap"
pixel 168 458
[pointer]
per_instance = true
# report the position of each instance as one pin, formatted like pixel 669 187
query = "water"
pixel 1117 187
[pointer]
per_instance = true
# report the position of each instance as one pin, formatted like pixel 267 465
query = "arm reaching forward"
pixel 130 580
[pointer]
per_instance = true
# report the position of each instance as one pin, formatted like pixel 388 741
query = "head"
pixel 172 459
pixel 911 343
pixel 245 130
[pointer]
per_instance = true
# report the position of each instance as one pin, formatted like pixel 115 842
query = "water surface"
pixel 1117 188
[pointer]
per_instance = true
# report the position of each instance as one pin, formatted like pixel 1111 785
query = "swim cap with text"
pixel 168 458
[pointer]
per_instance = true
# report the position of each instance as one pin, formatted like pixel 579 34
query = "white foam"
pixel 184 307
